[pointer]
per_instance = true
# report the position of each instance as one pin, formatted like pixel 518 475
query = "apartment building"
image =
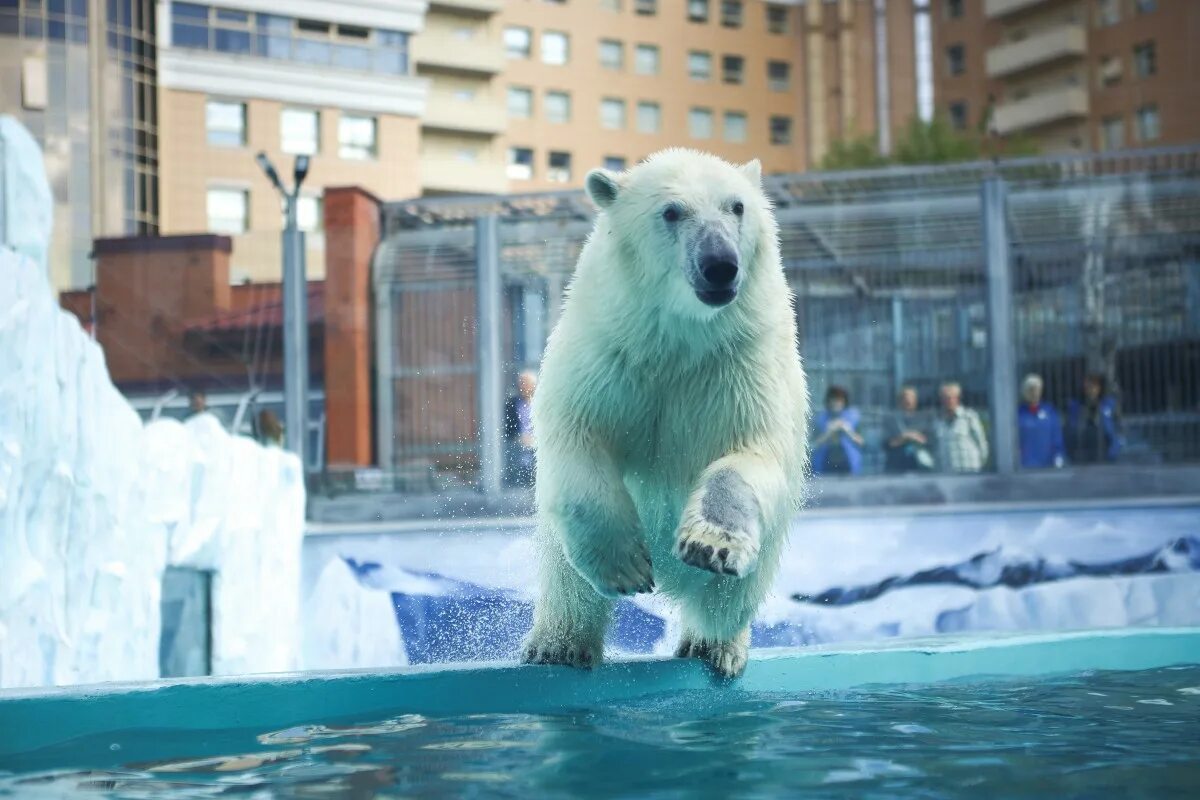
pixel 1070 75
pixel 607 82
pixel 332 80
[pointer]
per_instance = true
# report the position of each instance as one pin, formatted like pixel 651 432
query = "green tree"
pixel 853 154
pixel 934 142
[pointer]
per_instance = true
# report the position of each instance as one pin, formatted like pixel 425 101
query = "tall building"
pixel 330 79
pixel 1070 75
pixel 80 75
pixel 609 82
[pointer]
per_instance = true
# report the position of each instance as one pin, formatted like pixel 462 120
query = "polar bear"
pixel 672 413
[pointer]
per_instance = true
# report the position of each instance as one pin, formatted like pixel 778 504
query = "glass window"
pixel 777 19
pixel 1146 6
pixel 274 38
pixel 1149 127
pixel 309 213
pixel 700 123
pixel 731 69
pixel 649 117
pixel 225 123
pixel 300 131
pixel 1112 133
pixel 646 59
pixel 735 126
pixel 518 42
pixel 189 11
pixel 1145 59
pixel 352 57
pixel 954 9
pixel 1110 70
pixel 958 115
pixel 1108 12
pixel 555 47
pixel 520 163
pixel 956 59
pixel 559 167
pixel 779 74
pixel 558 107
pixel 228 210
pixel 731 13
pixel 647 8
pixel 614 163
pixel 311 51
pixel 357 137
pixel 391 52
pixel 699 65
pixel 612 54
pixel 612 114
pixel 611 5
pixel 697 10
pixel 520 102
pixel 781 130
pixel 189 25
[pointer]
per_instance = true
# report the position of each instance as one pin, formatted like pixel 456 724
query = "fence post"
pixel 1001 335
pixel 488 358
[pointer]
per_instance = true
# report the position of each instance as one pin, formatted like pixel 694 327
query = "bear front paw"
pixel 719 529
pixel 615 569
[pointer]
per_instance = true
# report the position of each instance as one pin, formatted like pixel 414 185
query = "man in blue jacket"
pixel 1094 424
pixel 1039 427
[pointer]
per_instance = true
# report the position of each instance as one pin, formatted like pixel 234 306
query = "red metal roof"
pixel 265 313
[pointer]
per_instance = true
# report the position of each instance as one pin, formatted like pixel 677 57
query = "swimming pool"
pixel 1078 713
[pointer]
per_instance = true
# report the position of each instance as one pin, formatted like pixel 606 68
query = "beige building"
pixel 235 78
pixel 1070 75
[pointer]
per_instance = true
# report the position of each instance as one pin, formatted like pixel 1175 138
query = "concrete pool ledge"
pixel 31 719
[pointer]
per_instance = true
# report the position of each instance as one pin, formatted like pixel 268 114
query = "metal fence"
pixel 977 273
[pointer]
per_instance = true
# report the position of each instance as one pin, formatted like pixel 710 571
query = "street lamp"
pixel 295 310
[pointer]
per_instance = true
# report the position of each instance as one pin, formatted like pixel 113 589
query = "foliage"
pixel 934 142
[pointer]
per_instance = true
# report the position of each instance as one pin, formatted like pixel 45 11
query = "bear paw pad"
pixel 728 659
pixel 707 546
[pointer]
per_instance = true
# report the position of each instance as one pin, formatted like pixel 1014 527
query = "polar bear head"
pixel 689 226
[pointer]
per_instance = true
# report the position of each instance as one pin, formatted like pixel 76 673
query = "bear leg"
pixel 727 656
pixel 719 528
pixel 570 618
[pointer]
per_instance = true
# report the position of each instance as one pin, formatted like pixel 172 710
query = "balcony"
pixel 1043 47
pixel 484 8
pixel 441 50
pixel 440 174
pixel 1043 108
pixel 1002 8
pixel 446 112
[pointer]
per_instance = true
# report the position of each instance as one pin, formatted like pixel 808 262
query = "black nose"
pixel 719 272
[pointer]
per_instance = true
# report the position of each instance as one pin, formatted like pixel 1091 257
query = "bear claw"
pixel 728 659
pixel 580 656
pixel 705 546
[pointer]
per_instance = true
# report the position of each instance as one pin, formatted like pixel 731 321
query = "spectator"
pixel 838 447
pixel 270 429
pixel 1038 427
pixel 518 432
pixel 198 404
pixel 1093 424
pixel 906 436
pixel 958 433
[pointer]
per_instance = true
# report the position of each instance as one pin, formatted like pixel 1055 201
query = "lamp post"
pixel 295 311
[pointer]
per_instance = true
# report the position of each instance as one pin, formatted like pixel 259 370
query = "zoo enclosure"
pixel 977 272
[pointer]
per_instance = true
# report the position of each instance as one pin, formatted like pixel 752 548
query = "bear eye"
pixel 671 213
pixel 738 208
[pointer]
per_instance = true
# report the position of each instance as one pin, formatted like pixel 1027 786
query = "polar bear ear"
pixel 603 187
pixel 753 171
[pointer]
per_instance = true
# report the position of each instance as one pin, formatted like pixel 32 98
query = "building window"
pixel 649 117
pixel 518 42
pixel 1110 71
pixel 731 69
pixel 612 114
pixel 612 54
pixel 1146 6
pixel 647 8
pixel 520 102
pixel 615 163
pixel 779 75
pixel 958 115
pixel 1149 127
pixel 956 59
pixel 1108 12
pixel 699 65
pixel 781 130
pixel 520 163
pixel 954 9
pixel 225 123
pixel 228 210
pixel 300 131
pixel 1145 60
pixel 777 19
pixel 1112 133
pixel 559 167
pixel 309 213
pixel 558 107
pixel 556 48
pixel 611 5
pixel 357 137
pixel 731 13
pixel 645 60
pixel 697 10
pixel 700 123
pixel 735 126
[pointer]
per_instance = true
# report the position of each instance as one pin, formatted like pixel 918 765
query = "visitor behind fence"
pixel 1039 428
pixel 1093 424
pixel 906 436
pixel 518 432
pixel 958 433
pixel 837 449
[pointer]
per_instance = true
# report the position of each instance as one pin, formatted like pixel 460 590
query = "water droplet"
pixel 114 747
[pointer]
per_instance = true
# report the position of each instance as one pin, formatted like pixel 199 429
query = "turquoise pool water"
pixel 1015 716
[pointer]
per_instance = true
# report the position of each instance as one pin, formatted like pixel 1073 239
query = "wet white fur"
pixel 645 392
